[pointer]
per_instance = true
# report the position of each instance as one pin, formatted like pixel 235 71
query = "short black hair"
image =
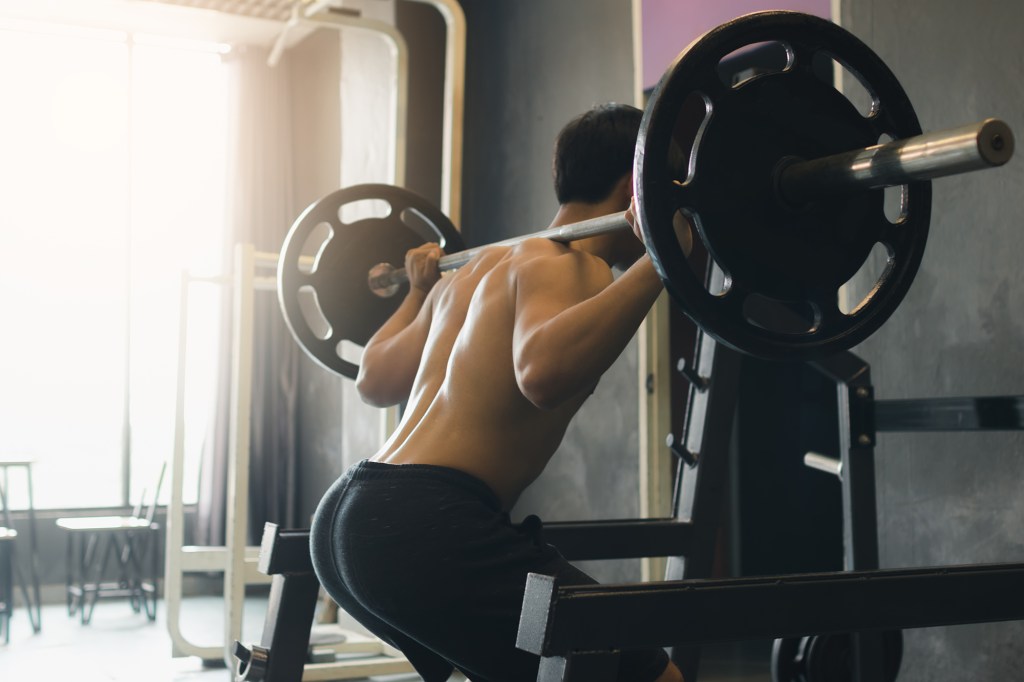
pixel 593 151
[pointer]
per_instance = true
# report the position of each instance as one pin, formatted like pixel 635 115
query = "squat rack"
pixel 241 564
pixel 579 631
pixel 235 559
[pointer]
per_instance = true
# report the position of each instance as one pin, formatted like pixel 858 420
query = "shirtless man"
pixel 493 361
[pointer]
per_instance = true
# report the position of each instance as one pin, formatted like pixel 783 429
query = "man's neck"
pixel 575 212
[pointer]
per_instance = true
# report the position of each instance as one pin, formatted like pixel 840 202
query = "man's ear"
pixel 624 189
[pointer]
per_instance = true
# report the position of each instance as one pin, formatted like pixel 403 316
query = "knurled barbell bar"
pixel 762 169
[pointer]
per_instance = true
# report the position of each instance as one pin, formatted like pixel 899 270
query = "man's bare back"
pixel 478 419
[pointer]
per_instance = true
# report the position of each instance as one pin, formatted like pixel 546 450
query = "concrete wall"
pixel 367 77
pixel 315 73
pixel 955 498
pixel 531 66
pixel 343 93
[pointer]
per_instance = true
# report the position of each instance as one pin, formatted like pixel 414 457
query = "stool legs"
pixel 69 592
pixel 93 556
pixel 6 588
pixel 35 609
pixel 31 594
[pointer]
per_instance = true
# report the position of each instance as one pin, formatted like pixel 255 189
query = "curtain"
pixel 259 211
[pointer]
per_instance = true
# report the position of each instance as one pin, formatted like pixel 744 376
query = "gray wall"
pixel 315 71
pixel 956 498
pixel 531 66
pixel 367 74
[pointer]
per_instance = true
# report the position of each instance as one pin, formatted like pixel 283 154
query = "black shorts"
pixel 424 558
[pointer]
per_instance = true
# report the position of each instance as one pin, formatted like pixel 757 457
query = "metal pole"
pixel 384 280
pixel 932 155
pixel 454 104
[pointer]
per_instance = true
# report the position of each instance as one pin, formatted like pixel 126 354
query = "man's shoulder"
pixel 548 251
pixel 538 246
pixel 546 259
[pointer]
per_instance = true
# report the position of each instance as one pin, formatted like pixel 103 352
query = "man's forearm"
pixel 386 371
pixel 403 316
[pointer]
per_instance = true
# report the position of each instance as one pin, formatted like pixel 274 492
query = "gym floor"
pixel 122 646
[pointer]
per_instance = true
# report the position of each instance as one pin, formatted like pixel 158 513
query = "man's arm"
pixel 391 357
pixel 573 322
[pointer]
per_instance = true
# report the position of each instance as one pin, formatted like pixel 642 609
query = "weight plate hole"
pixel 859 289
pixel 682 225
pixel 895 204
pixel 350 352
pixel 690 123
pixel 782 317
pixel 743 65
pixel 847 81
pixel 422 226
pixel 313 314
pixel 313 246
pixel 362 209
pixel 700 261
pixel 717 282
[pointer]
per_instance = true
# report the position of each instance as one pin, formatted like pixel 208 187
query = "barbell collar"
pixel 977 146
pixel 384 280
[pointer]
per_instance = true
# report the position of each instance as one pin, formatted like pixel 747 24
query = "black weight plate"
pixel 339 273
pixel 829 658
pixel 796 257
pixel 784 663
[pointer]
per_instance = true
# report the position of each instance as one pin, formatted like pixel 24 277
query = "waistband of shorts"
pixel 368 470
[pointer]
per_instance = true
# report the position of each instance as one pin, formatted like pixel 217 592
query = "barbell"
pixel 779 175
pixel 924 157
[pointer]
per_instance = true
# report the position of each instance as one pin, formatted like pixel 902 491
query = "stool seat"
pixel 102 523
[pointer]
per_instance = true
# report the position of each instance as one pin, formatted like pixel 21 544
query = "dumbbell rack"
pixel 579 631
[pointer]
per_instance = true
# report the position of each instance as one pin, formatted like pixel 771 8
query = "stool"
pixel 91 545
pixel 129 541
pixel 7 536
pixel 33 601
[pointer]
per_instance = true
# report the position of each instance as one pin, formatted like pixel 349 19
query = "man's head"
pixel 594 151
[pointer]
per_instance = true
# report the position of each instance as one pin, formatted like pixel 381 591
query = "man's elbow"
pixel 375 392
pixel 541 386
pixel 371 395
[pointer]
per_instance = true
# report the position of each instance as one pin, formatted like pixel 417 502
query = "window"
pixel 112 165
